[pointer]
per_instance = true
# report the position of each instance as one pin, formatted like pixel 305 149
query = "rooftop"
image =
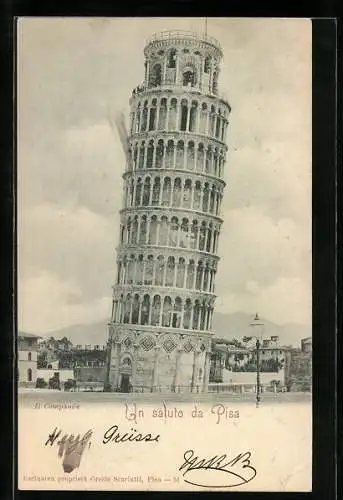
pixel 26 335
pixel 184 35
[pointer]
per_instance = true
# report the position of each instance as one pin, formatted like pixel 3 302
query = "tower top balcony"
pixel 183 37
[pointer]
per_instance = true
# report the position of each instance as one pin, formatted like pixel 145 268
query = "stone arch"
pixel 127 308
pixel 135 156
pixel 193 116
pixel 199 273
pixel 167 309
pixel 190 275
pixel 189 75
pixel 183 115
pixel 156 310
pixel 190 155
pixel 187 315
pixel 130 269
pixel 203 118
pixel 163 239
pixel 196 315
pixel 146 192
pixel 180 152
pixel 172 125
pixel 202 236
pixel 181 272
pixel 170 271
pixel 218 123
pixel 187 194
pixel 159 273
pixel 173 232
pixel 208 162
pixel 149 270
pixel 145 310
pixel 159 154
pixel 144 124
pixel 166 191
pixel 169 163
pixel 171 60
pixel 177 188
pixel 162 120
pixel 184 236
pixel 213 193
pixel 150 154
pixel 156 189
pixel 212 120
pixel 200 157
pixel 128 231
pixel 143 230
pixel 141 155
pixel 194 234
pixel 134 232
pixel 176 314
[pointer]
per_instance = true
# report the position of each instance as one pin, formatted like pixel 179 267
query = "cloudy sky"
pixel 71 72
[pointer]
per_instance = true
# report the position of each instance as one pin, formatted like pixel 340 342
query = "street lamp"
pixel 257 323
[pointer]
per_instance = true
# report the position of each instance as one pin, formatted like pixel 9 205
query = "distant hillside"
pixel 227 326
pixel 237 325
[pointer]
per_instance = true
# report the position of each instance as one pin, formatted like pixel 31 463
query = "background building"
pixel 298 366
pixel 27 359
pixel 164 294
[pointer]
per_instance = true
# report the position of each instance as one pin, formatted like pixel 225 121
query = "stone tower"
pixel 164 293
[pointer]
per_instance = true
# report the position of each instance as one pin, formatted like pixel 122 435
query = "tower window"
pixel 29 356
pixel 188 78
pixel 184 113
pixel 207 65
pixel 155 76
pixel 215 83
pixel 172 59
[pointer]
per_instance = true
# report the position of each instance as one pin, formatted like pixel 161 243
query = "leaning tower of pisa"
pixel 163 297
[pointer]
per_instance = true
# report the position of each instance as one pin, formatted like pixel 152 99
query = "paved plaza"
pixel 27 396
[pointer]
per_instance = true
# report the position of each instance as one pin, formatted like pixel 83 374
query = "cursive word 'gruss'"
pixel 113 435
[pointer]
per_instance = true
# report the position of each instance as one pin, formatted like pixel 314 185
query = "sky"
pixel 73 72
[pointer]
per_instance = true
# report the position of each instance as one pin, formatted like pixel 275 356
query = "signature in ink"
pixel 219 471
pixel 70 448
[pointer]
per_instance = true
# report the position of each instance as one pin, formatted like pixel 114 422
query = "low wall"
pixel 230 377
pixel 90 374
pixel 46 374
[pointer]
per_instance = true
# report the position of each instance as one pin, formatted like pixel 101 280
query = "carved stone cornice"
pixel 173 173
pixel 166 291
pixel 178 135
pixel 157 331
pixel 176 91
pixel 156 250
pixel 169 212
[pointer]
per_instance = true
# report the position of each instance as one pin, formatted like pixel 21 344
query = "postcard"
pixel 164 254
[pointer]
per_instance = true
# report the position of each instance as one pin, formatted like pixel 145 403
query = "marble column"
pixel 177 374
pixel 195 371
pixel 134 365
pixel 117 350
pixel 155 369
pixel 206 372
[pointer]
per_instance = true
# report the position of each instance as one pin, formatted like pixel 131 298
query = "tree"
pixel 65 343
pixel 41 383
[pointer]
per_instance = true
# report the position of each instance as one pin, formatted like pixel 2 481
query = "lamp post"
pixel 257 323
